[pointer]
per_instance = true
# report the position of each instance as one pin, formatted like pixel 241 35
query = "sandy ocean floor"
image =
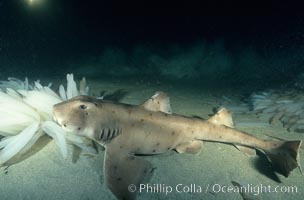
pixel 46 175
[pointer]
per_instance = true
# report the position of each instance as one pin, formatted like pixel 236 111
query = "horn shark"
pixel 127 131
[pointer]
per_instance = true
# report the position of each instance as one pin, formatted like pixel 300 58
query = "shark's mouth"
pixel 55 119
pixel 58 121
pixel 66 127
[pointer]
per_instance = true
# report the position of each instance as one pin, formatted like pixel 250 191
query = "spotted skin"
pixel 126 131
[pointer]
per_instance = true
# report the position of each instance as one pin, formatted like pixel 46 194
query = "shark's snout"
pixel 64 116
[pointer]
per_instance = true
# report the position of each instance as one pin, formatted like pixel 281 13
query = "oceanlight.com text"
pixel 212 188
pixel 253 189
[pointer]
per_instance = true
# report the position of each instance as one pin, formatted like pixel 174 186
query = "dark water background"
pixel 92 39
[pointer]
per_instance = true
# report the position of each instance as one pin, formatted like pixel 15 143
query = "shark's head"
pixel 77 115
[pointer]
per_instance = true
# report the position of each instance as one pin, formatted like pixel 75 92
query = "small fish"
pixel 127 131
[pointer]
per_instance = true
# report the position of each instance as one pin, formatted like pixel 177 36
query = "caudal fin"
pixel 285 157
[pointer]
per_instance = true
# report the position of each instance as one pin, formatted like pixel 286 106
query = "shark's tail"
pixel 285 156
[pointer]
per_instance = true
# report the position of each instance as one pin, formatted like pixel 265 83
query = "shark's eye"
pixel 83 107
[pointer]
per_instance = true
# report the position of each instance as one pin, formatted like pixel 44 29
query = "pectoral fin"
pixel 122 170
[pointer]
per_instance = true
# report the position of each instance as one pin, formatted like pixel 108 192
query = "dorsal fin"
pixel 158 102
pixel 222 117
